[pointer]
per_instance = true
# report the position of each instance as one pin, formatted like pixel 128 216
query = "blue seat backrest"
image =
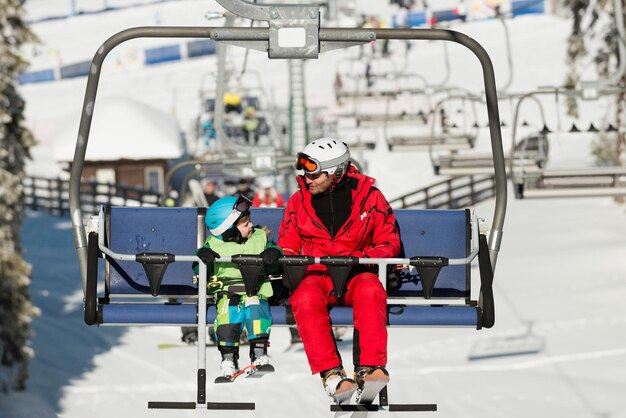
pixel 429 232
pixel 152 230
pixel 270 217
pixel 423 232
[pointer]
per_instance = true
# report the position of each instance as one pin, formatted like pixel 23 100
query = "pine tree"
pixel 597 20
pixel 16 309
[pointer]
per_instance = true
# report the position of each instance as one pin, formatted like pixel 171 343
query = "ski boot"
pixel 189 335
pixel 229 365
pixel 371 380
pixel 258 356
pixel 295 336
pixel 337 385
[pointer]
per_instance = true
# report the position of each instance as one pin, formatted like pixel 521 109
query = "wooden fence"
pixel 452 193
pixel 52 195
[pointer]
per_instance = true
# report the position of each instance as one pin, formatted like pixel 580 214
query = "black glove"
pixel 393 280
pixel 271 255
pixel 207 255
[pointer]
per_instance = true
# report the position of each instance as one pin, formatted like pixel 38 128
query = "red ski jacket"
pixel 370 231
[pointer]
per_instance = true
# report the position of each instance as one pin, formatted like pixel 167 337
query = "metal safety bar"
pixel 381 262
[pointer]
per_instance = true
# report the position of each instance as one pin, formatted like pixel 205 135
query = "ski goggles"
pixel 311 165
pixel 242 204
pixel 240 208
pixel 308 164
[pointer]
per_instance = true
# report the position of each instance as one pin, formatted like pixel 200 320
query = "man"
pixel 339 212
pixel 210 191
pixel 251 126
pixel 267 196
pixel 244 189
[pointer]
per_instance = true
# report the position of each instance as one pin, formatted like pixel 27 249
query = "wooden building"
pixel 130 143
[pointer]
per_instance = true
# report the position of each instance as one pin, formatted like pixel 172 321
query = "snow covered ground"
pixel 560 270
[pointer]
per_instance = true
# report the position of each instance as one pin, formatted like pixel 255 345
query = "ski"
pixel 250 371
pixel 344 391
pixel 371 386
pixel 292 345
pixel 373 383
pixel 180 345
pixel 343 395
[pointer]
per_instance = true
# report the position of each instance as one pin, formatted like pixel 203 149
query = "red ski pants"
pixel 366 295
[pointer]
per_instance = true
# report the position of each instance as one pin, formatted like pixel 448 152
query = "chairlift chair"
pixel 530 153
pixel 439 245
pixel 544 182
pixel 463 138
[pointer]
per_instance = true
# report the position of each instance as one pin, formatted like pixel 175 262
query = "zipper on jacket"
pixel 332 216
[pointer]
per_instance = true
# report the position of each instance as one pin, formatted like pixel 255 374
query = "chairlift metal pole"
pixel 515 121
pixel 509 56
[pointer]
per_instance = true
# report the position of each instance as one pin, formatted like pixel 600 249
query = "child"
pixel 231 233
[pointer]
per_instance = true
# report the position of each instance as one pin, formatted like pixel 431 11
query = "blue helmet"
pixel 222 215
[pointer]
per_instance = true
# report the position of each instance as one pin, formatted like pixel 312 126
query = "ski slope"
pixel 560 269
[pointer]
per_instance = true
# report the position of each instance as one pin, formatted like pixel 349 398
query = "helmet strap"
pixel 232 235
pixel 340 172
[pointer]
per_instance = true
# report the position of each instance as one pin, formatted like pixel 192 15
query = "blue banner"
pixel 162 54
pixel 36 77
pixel 523 7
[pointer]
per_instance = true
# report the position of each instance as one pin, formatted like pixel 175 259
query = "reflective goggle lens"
pixel 306 164
pixel 242 204
pixel 313 176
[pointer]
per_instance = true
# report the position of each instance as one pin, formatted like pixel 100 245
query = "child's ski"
pixel 248 371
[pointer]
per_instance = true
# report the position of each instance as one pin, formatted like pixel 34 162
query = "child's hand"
pixel 271 255
pixel 207 255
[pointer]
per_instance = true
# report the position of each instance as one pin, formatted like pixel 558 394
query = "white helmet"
pixel 325 154
pixel 266 182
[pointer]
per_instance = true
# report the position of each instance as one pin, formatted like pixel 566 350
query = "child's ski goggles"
pixel 240 208
pixel 242 204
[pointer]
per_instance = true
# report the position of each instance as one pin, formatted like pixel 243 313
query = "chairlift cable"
pixel 245 57
pixel 558 113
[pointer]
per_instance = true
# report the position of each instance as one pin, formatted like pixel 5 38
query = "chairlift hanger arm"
pixel 340 36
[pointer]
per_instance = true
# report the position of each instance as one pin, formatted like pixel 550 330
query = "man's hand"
pixel 271 255
pixel 207 255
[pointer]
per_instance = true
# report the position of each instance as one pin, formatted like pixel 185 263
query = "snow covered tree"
pixel 16 309
pixel 594 33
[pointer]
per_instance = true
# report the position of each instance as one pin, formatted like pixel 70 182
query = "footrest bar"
pixel 171 405
pixel 390 407
pixel 239 406
pixel 412 407
pixel 353 408
pixel 231 406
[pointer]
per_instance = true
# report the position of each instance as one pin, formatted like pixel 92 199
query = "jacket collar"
pixel 360 191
